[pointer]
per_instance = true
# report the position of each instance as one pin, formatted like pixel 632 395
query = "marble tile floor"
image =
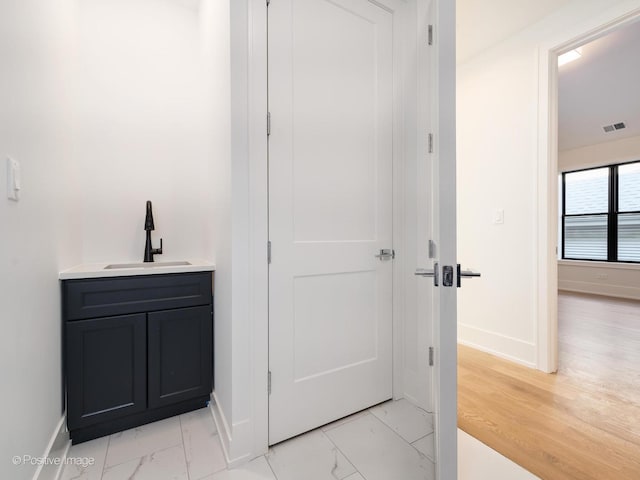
pixel 476 461
pixel 391 441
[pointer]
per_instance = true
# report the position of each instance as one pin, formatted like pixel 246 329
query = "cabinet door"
pixel 106 369
pixel 180 355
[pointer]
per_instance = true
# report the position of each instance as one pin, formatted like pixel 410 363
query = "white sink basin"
pixel 114 266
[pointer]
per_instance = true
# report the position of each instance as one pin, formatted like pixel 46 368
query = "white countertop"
pixel 98 270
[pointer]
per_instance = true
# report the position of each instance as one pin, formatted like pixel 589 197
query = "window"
pixel 601 214
pixel 628 212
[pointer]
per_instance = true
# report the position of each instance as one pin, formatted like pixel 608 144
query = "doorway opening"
pixel 598 231
pixel 248 427
pixel 584 93
pixel 549 199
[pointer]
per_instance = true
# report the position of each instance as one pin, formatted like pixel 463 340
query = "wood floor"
pixel 583 422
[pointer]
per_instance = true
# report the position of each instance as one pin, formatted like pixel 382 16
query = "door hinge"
pixel 431 356
pixel 430 143
pixel 268 123
pixel 269 382
pixel 430 35
pixel 269 251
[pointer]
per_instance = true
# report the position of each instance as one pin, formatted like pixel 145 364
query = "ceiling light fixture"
pixel 570 56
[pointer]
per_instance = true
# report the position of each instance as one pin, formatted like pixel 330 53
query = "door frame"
pixel 249 150
pixel 547 178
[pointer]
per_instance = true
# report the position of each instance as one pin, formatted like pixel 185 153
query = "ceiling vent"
pixel 614 127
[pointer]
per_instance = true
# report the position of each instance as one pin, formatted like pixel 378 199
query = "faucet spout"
pixel 149 226
pixel 148 221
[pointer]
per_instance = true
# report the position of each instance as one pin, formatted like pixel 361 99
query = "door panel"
pixel 330 203
pixel 439 111
pixel 107 369
pixel 180 356
pixel 325 305
pixel 333 136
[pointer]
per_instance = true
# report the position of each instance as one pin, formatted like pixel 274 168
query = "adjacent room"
pixel 569 411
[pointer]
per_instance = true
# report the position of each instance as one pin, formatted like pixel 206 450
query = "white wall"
pixel 618 280
pixel 38 234
pixel 106 104
pixel 146 127
pixel 617 151
pixel 496 170
pixel 498 163
pixel 241 412
pixel 217 14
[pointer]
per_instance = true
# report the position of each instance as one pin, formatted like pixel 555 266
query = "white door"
pixel 437 115
pixel 330 211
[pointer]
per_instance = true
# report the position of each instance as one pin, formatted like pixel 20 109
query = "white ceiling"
pixel 481 24
pixel 601 88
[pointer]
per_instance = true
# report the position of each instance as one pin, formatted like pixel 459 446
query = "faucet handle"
pixel 157 251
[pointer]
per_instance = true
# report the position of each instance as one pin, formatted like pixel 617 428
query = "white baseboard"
pixel 502 346
pixel 221 425
pixel 232 437
pixel 618 291
pixel 55 452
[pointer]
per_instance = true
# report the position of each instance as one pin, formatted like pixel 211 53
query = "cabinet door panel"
pixel 106 361
pixel 180 357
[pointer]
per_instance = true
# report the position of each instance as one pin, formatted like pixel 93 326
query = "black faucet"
pixel 149 251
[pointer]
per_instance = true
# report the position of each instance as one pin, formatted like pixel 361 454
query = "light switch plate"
pixel 498 216
pixel 13 179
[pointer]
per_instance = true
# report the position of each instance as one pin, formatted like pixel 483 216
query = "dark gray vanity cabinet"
pixel 137 349
pixel 106 369
pixel 179 355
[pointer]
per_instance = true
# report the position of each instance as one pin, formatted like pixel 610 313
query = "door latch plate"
pixel 447 276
